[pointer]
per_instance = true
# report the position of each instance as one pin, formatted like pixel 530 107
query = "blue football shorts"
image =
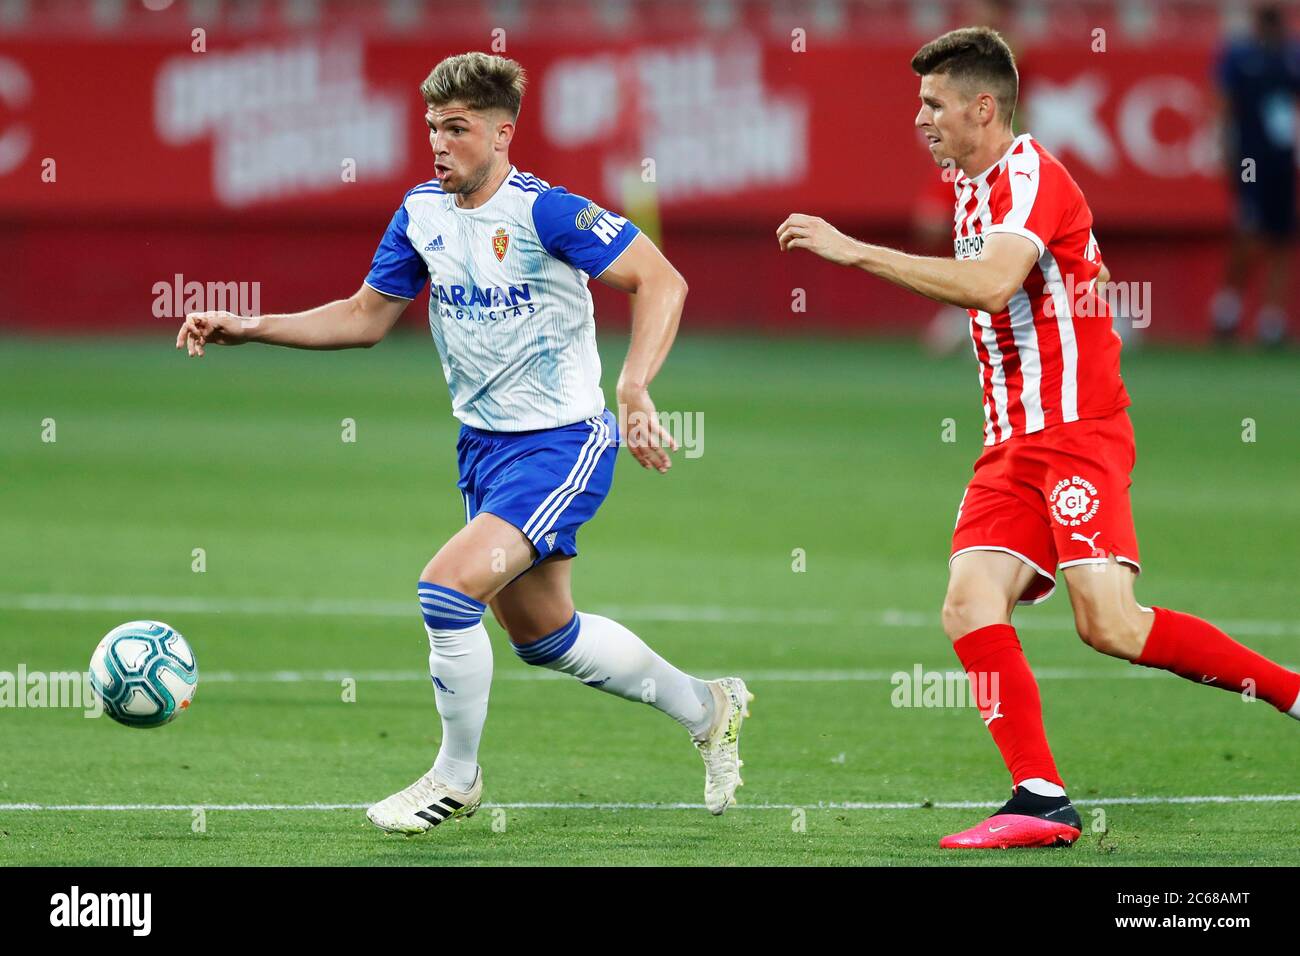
pixel 547 483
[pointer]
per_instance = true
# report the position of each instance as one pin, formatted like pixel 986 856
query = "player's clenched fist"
pixel 816 235
pixel 217 328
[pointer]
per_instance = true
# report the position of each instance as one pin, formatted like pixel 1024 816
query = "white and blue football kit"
pixel 512 317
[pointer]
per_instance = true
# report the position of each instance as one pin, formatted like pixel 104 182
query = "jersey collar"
pixel 491 200
pixel 979 180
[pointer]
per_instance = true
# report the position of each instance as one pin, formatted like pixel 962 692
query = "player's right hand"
pixel 819 236
pixel 647 440
pixel 217 328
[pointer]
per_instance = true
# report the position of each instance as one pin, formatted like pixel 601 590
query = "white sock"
pixel 1044 788
pixel 460 664
pixel 604 654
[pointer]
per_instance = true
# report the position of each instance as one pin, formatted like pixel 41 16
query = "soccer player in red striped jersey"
pixel 1051 489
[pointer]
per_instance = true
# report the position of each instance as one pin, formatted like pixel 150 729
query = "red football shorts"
pixel 1054 498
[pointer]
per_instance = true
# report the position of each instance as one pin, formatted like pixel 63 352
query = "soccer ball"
pixel 144 673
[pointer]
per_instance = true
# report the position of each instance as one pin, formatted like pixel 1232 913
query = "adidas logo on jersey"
pixel 435 244
pixel 550 541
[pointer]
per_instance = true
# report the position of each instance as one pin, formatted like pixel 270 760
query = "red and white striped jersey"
pixel 1052 355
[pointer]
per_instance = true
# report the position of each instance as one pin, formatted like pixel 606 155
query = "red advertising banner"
pixel 730 132
pixel 279 158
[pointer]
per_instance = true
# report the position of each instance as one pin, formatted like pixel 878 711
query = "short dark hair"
pixel 479 80
pixel 974 56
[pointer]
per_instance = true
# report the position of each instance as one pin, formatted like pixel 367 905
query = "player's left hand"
pixel 215 328
pixel 816 235
pixel 647 440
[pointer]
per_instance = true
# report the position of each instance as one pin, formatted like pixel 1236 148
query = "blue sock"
pixel 446 609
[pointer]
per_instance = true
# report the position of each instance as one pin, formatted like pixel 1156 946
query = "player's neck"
pixel 485 192
pixel 987 155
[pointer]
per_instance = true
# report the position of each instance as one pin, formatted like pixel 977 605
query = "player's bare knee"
pixel 501 616
pixel 535 623
pixel 1113 634
pixel 953 618
pixel 437 573
pixel 521 633
pixel 964 611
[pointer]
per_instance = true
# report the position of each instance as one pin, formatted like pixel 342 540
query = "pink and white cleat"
pixel 1026 820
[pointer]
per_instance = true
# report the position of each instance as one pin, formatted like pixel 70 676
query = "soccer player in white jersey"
pixel 1051 489
pixel 509 257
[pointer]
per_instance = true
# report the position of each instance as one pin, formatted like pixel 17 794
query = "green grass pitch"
pixel 313 546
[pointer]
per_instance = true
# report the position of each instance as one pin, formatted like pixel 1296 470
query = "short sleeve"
pixel 1029 200
pixel 575 230
pixel 397 268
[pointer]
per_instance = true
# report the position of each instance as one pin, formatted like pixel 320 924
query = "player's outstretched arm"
pixel 359 321
pixel 985 284
pixel 658 293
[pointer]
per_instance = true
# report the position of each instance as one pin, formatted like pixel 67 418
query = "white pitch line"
pixel 139 605
pixel 815 805
pixel 754 676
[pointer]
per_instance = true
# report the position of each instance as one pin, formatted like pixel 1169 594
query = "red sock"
pixel 996 665
pixel 1200 652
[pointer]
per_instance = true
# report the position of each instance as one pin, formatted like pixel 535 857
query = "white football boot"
pixel 425 804
pixel 721 748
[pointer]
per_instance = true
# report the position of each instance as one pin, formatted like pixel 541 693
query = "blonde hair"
pixel 479 80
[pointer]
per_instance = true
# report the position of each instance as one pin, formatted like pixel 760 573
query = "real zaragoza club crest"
pixel 500 242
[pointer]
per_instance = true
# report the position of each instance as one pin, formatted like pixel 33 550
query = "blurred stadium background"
pixel 128 154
